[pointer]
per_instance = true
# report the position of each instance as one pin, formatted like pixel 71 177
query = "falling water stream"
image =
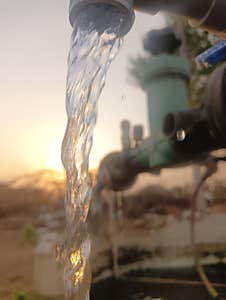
pixel 94 45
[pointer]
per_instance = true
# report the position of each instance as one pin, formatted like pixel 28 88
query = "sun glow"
pixel 54 161
pixel 77 259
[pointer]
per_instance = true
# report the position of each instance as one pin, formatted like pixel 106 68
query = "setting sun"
pixel 54 161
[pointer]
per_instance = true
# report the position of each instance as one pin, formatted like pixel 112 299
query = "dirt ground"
pixel 21 203
pixel 16 263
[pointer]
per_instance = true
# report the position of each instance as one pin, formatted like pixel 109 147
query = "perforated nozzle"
pixel 122 10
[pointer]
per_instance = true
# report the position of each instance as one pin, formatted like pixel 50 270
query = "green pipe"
pixel 165 81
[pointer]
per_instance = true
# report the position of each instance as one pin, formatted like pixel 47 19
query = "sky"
pixel 35 37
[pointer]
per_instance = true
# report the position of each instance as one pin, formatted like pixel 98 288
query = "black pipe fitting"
pixel 161 41
pixel 203 130
pixel 186 120
pixel 214 103
pixel 209 14
pixel 189 133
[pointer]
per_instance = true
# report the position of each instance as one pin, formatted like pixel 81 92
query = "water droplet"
pixel 181 135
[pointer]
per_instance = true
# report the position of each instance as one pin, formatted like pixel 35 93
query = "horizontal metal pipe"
pixel 197 137
pixel 209 14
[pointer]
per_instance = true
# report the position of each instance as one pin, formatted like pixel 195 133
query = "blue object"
pixel 212 56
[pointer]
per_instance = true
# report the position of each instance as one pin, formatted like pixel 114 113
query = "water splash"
pixel 94 45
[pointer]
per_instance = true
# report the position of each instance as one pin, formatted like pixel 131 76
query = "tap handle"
pixel 212 56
